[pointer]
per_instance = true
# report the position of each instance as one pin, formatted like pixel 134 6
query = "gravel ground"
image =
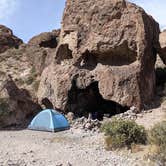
pixel 154 116
pixel 69 148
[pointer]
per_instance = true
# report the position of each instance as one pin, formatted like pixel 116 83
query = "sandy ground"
pixel 148 120
pixel 76 148
pixel 73 147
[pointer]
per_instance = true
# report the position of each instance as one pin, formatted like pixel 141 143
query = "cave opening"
pixel 52 43
pixel 63 53
pixel 47 103
pixel 89 100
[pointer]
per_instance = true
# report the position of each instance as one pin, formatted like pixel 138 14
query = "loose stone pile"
pixel 128 115
pixel 84 123
pixel 88 124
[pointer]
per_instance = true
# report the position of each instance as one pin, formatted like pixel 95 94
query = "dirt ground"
pixel 68 148
pixel 73 147
pixel 154 116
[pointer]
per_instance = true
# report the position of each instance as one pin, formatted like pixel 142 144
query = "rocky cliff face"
pixel 20 73
pixel 106 54
pixel 46 39
pixel 7 39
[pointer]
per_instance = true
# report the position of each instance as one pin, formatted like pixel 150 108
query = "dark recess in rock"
pixel 46 39
pixel 63 52
pixel 84 101
pixel 46 102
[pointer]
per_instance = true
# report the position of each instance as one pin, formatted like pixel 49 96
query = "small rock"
pixel 70 116
pixel 133 109
pixel 88 126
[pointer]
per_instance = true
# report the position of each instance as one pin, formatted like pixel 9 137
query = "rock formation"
pixel 43 47
pixel 25 65
pixel 162 51
pixel 46 39
pixel 105 57
pixel 7 39
pixel 20 106
pixel 102 61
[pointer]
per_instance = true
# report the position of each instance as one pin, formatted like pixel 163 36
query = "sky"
pixel 28 18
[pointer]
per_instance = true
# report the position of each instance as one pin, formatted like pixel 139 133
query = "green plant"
pixel 4 106
pixel 19 81
pixel 29 80
pixel 120 133
pixel 32 76
pixel 157 137
pixel 157 134
pixel 36 85
pixel 33 71
pixel 4 110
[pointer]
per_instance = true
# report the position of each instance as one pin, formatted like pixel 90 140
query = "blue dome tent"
pixel 49 120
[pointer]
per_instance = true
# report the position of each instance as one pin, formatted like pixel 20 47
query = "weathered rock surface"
pixel 46 39
pixel 163 39
pixel 162 52
pixel 24 65
pixel 41 49
pixel 7 39
pixel 111 43
pixel 18 108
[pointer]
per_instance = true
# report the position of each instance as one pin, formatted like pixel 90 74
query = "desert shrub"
pixel 4 106
pixel 36 85
pixel 32 76
pixel 19 81
pixel 120 133
pixel 29 80
pixel 157 136
pixel 4 109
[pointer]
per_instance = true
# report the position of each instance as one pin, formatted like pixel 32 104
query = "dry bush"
pixel 123 133
pixel 157 137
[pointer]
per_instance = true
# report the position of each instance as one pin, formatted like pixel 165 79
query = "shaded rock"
pixel 129 115
pixel 98 44
pixel 46 39
pixel 39 57
pixel 7 39
pixel 41 49
pixel 20 106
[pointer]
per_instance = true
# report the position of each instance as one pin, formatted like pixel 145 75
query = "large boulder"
pixel 7 39
pixel 107 53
